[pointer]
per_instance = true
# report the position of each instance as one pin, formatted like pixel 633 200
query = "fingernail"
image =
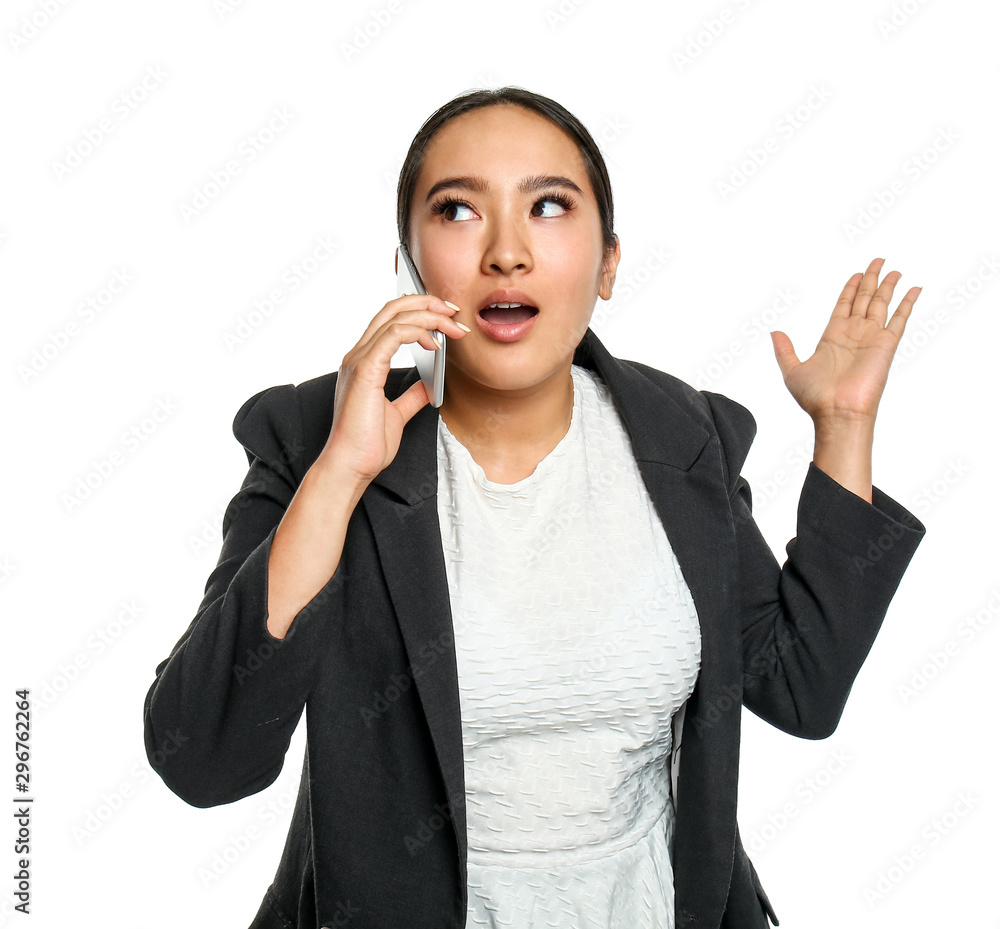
pixel 466 328
pixel 452 305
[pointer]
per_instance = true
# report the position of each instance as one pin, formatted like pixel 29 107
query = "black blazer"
pixel 378 835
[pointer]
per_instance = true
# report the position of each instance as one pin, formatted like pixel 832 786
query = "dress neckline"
pixel 545 466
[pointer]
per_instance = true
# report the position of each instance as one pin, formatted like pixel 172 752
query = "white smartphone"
pixel 430 363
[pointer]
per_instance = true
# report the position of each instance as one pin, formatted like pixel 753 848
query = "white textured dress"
pixel 576 639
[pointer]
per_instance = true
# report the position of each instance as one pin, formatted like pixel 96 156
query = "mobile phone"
pixel 430 363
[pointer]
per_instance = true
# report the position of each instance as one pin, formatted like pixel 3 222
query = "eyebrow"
pixel 479 185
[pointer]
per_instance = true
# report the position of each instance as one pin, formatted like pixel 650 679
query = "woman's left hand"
pixel 844 379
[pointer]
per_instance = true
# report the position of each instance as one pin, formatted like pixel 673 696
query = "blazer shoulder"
pixel 736 429
pixel 721 416
pixel 267 422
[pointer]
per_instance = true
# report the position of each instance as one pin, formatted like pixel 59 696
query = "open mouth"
pixel 508 316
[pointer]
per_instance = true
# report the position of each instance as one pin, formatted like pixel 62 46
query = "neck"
pixel 508 426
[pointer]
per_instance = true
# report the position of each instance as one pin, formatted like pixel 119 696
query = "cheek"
pixel 579 275
pixel 447 271
pixel 458 261
pixel 578 251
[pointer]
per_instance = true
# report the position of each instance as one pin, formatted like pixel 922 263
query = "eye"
pixel 446 207
pixel 564 202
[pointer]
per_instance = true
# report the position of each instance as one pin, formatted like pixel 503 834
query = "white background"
pixel 678 99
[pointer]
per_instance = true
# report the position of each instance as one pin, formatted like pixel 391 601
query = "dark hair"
pixel 597 171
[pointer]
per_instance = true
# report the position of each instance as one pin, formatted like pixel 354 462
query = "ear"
pixel 610 269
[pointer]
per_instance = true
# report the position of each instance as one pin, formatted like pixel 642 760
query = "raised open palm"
pixel 846 374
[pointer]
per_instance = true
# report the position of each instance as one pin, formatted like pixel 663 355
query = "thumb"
pixel 784 353
pixel 411 401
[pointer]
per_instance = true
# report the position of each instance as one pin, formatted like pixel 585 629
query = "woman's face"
pixel 504 237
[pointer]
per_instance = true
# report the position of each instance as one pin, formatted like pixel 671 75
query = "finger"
pixel 784 353
pixel 406 302
pixel 898 322
pixel 846 299
pixel 429 319
pixel 411 400
pixel 878 307
pixel 390 339
pixel 403 304
pixel 412 327
pixel 869 284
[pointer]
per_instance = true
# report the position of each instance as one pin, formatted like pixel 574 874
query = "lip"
pixel 514 331
pixel 510 333
pixel 508 295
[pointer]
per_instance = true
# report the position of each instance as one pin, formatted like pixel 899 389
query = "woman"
pixel 506 614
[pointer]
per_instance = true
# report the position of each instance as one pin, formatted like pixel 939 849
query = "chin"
pixel 509 374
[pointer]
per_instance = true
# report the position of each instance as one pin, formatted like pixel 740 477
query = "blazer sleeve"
pixel 808 625
pixel 222 709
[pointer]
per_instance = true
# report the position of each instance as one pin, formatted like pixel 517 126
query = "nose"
pixel 506 247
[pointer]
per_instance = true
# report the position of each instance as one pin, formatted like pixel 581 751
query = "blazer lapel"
pixel 681 466
pixel 685 480
pixel 404 520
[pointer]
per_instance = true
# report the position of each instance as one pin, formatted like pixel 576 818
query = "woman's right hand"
pixel 367 426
